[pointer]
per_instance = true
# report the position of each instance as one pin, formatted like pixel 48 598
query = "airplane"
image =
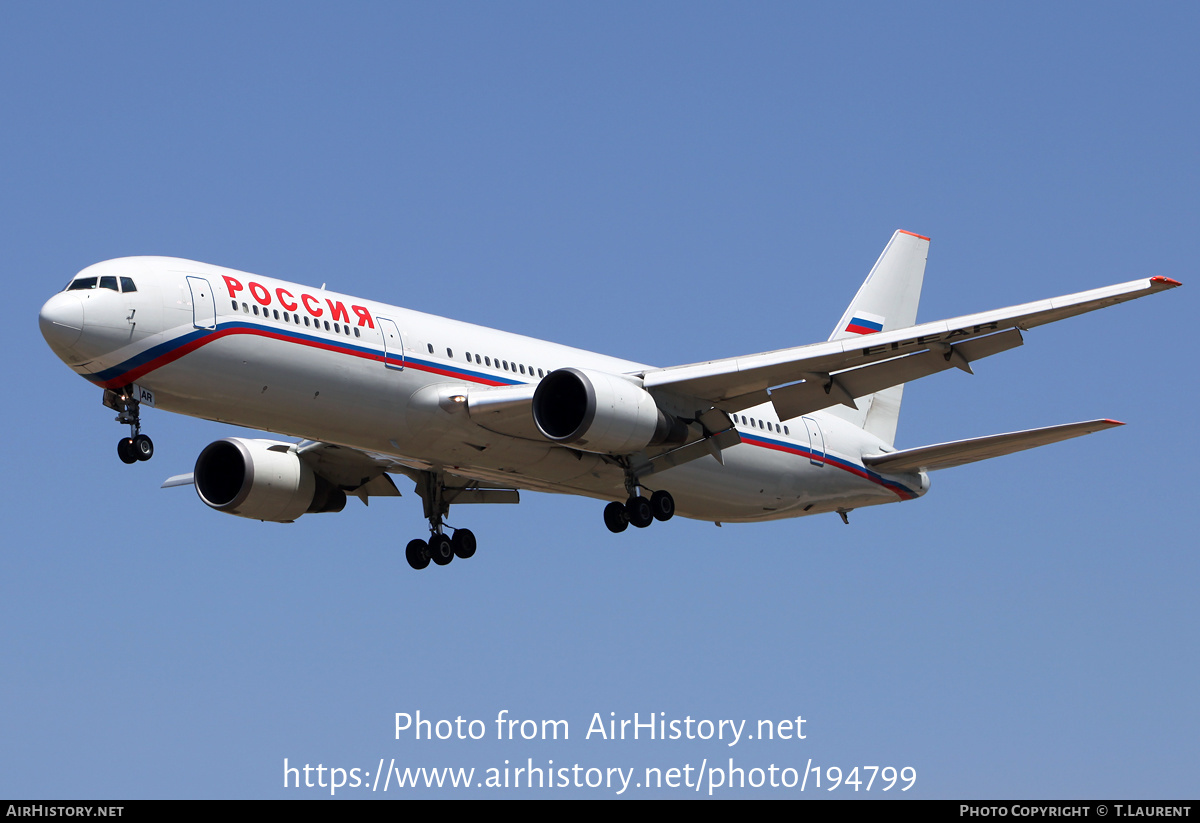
pixel 474 415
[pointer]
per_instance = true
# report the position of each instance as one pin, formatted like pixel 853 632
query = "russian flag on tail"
pixel 865 323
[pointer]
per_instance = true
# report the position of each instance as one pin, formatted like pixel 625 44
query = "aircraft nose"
pixel 61 321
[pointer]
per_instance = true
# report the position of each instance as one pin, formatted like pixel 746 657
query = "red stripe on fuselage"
pixel 835 463
pixel 189 347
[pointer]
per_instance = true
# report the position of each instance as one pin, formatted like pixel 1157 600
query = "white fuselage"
pixel 267 354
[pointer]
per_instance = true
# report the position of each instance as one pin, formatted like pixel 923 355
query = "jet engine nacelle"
pixel 602 413
pixel 262 480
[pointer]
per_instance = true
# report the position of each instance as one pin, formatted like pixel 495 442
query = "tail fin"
pixel 886 300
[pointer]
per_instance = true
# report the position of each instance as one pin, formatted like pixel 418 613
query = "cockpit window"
pixel 108 282
pixel 127 285
pixel 81 283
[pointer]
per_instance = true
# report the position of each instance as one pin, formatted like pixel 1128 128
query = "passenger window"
pixel 108 282
pixel 326 325
pixel 306 321
pixel 449 353
pixel 356 334
pixel 276 313
pixel 128 286
pixel 255 310
pixel 234 303
pixel 430 345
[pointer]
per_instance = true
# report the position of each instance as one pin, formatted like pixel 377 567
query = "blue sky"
pixel 662 182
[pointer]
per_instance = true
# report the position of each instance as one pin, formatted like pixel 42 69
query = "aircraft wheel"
pixel 463 543
pixel 125 450
pixel 440 549
pixel 143 447
pixel 639 511
pixel 417 554
pixel 662 504
pixel 615 517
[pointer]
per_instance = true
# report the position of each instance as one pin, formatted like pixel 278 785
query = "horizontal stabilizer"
pixel 960 452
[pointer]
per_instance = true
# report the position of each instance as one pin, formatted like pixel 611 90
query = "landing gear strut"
pixel 637 510
pixel 441 548
pixel 136 446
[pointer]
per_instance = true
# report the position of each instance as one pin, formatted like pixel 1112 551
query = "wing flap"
pixel 824 390
pixel 961 452
pixel 711 445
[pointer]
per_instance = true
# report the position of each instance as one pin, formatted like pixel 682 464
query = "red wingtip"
pixel 1114 422
pixel 1167 280
pixel 914 234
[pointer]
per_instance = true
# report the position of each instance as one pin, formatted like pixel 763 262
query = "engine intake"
pixel 603 413
pixel 262 480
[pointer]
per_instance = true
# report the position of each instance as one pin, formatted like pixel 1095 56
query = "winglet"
pixel 1163 283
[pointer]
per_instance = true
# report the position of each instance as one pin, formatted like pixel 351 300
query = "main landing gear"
pixel 441 548
pixel 637 510
pixel 136 446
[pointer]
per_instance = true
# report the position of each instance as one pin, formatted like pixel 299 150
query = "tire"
pixel 143 447
pixel 440 550
pixel 639 512
pixel 125 450
pixel 662 504
pixel 463 543
pixel 417 554
pixel 615 517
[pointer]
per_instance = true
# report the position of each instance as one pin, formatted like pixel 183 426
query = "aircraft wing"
pixel 365 474
pixel 737 383
pixel 961 452
pixel 355 472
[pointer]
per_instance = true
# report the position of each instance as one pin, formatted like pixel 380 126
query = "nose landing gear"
pixel 133 449
pixel 137 446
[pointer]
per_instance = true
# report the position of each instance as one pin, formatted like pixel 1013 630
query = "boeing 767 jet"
pixel 474 415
